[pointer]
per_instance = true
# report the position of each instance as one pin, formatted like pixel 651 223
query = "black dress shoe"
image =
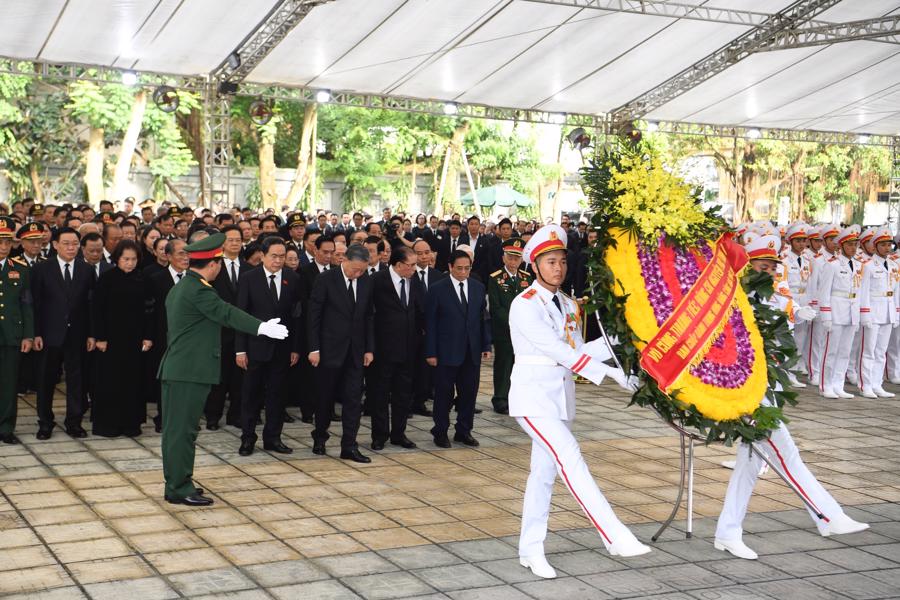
pixel 378 445
pixel 306 420
pixel 278 447
pixel 355 455
pixel 212 426
pixel 9 438
pixel 247 448
pixel 76 432
pixel 193 500
pixel 288 418
pixel 44 434
pixel 199 491
pixel 157 427
pixel 319 448
pixel 478 411
pixel 405 442
pixel 442 441
pixel 501 410
pixel 424 412
pixel 466 439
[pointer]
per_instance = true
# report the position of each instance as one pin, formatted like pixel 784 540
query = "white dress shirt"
pixel 228 262
pixel 277 275
pixel 465 284
pixel 419 272
pixel 396 279
pixel 322 268
pixel 175 274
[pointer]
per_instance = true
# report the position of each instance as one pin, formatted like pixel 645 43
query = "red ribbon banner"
pixel 699 315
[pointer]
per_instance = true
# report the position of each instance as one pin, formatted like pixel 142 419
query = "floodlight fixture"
pixel 129 78
pixel 863 138
pixel 233 60
pixel 557 118
pixel 166 98
pixel 579 139
pixel 451 108
pixel 652 126
pixel 754 134
pixel 323 96
pixel 260 112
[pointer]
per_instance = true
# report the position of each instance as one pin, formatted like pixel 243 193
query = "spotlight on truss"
pixel 234 60
pixel 323 96
pixel 629 131
pixel 754 134
pixel 652 126
pixel 579 139
pixel 129 78
pixel 863 138
pixel 166 99
pixel 557 118
pixel 451 108
pixel 260 112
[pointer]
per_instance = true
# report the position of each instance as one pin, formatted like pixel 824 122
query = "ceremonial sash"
pixel 700 315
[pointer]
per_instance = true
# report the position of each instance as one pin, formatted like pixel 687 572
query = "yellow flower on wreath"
pixel 719 404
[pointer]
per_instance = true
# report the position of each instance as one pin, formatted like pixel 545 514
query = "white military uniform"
pixel 781 451
pixel 855 363
pixel 798 271
pixel 548 348
pixel 893 352
pixel 817 337
pixel 838 293
pixel 878 317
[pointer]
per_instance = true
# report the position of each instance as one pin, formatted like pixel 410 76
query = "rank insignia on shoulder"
pixel 19 261
pixel 497 272
pixel 205 282
pixel 528 294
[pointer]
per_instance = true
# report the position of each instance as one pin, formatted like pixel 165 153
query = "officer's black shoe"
pixel 335 418
pixel 9 438
pixel 355 455
pixel 378 445
pixel 288 418
pixel 157 427
pixel 466 439
pixel 502 409
pixel 76 431
pixel 478 411
pixel 44 434
pixel 199 491
pixel 306 420
pixel 319 448
pixel 404 442
pixel 194 500
pixel 247 448
pixel 278 447
pixel 212 426
pixel 442 441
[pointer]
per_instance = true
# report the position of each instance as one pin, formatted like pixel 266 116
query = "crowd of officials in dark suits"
pixel 383 315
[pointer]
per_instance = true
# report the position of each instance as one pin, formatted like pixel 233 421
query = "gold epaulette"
pixel 524 273
pixel 205 282
pixel 497 272
pixel 19 261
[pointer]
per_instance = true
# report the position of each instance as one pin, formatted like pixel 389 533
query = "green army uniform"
pixel 192 365
pixel 16 324
pixel 502 289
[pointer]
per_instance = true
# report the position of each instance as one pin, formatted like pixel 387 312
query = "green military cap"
pixel 513 246
pixel 30 231
pixel 208 247
pixel 7 227
pixel 174 211
pixel 296 219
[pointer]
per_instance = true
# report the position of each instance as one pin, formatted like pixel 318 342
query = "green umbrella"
pixel 499 195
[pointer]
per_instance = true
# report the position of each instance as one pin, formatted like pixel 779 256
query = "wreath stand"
pixel 687 439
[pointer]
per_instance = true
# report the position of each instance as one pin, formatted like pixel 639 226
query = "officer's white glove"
pixel 273 329
pixel 826 325
pixel 894 324
pixel 866 321
pixel 805 313
pixel 597 349
pixel 627 383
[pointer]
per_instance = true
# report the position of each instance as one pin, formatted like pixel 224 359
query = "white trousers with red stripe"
pixel 802 334
pixel 554 450
pixel 836 358
pixel 873 355
pixel 783 454
pixel 893 355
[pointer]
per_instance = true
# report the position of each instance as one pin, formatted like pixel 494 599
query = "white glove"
pixel 273 329
pixel 894 324
pixel 866 321
pixel 627 383
pixel 597 349
pixel 805 313
pixel 826 325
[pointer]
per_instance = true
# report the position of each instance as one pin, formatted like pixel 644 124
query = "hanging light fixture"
pixel 260 112
pixel 323 96
pixel 166 99
pixel 579 139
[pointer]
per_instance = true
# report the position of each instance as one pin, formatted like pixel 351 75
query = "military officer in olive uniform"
pixel 191 364
pixel 503 286
pixel 16 327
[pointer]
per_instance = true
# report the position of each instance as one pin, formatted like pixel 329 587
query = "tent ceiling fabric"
pixel 511 53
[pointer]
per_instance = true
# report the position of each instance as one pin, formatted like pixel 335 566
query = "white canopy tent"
pixel 771 66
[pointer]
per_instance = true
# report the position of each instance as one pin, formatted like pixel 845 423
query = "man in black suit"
pixel 399 301
pixel 341 343
pixel 481 246
pixel 457 337
pixel 323 252
pixel 92 253
pixel 232 378
pixel 423 374
pixel 112 235
pixel 158 286
pixel 267 292
pixel 375 246
pixel 61 289
pixel 448 245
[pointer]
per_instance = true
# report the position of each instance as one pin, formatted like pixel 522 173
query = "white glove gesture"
pixel 826 325
pixel 805 313
pixel 627 383
pixel 273 329
pixel 866 321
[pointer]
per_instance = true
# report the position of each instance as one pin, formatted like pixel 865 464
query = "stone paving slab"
pixel 85 518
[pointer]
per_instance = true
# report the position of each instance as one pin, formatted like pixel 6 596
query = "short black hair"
pixel 504 221
pixel 310 231
pixel 62 230
pixel 232 227
pixel 374 239
pixel 401 254
pixel 453 222
pixel 271 240
pixel 221 217
pixel 369 226
pixel 476 217
pixel 322 239
pixel 122 247
pixel 90 236
pixel 357 214
pixel 251 249
pixel 457 254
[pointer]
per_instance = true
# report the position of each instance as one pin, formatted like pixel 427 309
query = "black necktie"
pixel 885 265
pixel 372 271
pixel 422 277
pixel 556 302
pixel 850 262
pixel 67 275
pixel 403 292
pixel 799 262
pixel 462 297
pixel 273 288
pixel 453 246
pixel 233 274
pixel 179 276
pixel 350 292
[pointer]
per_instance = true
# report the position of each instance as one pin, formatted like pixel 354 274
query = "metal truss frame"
pixel 893 217
pixel 886 29
pixel 95 74
pixel 784 135
pixel 796 15
pixel 216 147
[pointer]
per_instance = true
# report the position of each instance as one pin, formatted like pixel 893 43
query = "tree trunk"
pixel 129 142
pixel 559 180
pixel 798 199
pixel 412 188
pixel 36 182
pixel 305 156
pixel 93 170
pixel 471 181
pixel 457 140
pixel 268 194
pixel 439 197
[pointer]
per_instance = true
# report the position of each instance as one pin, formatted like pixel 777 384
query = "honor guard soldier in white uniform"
pixel 878 314
pixel 798 271
pixel 838 293
pixel 893 353
pixel 780 450
pixel 864 251
pixel 829 234
pixel 545 330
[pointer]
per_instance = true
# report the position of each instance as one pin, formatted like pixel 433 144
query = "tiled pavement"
pixel 85 518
